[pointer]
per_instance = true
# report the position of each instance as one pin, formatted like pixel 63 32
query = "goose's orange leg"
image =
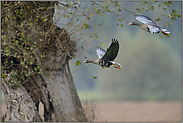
pixel 164 33
pixel 116 66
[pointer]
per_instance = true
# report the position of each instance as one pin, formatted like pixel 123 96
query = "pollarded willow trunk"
pixel 35 66
pixel 63 95
pixel 55 89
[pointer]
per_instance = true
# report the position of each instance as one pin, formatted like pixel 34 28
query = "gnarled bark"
pixel 19 103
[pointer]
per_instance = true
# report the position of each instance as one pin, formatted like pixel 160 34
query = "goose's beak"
pixel 130 23
pixel 116 66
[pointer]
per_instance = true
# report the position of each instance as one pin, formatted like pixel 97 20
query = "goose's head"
pixel 86 61
pixel 132 23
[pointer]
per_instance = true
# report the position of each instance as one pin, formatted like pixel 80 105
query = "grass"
pixel 89 109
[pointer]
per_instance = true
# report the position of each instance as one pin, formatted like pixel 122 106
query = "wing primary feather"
pixel 100 51
pixel 144 19
pixel 112 51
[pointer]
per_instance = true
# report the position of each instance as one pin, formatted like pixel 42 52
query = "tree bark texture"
pixel 63 95
pixel 19 104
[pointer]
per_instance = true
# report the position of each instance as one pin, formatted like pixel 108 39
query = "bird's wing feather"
pixel 154 29
pixel 100 52
pixel 144 19
pixel 112 51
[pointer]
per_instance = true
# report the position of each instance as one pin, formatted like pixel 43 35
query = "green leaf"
pixel 94 77
pixel 78 63
pixel 41 72
pixel 175 11
pixel 86 26
pixel 120 19
pixel 101 44
pixel 169 24
pixel 45 20
pixel 82 27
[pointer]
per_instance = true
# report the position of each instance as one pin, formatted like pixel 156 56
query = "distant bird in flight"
pixel 106 57
pixel 149 25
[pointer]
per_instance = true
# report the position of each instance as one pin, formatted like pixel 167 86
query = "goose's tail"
pixel 164 31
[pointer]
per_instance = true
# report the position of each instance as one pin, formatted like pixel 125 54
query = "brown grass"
pixel 139 111
pixel 130 111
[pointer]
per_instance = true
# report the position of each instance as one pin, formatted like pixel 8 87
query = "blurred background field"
pixel 148 87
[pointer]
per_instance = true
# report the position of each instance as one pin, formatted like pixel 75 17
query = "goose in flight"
pixel 149 25
pixel 106 57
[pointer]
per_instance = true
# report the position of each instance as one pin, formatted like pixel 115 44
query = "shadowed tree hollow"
pixel 35 55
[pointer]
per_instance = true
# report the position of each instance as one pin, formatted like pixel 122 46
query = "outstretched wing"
pixel 100 52
pixel 144 19
pixel 112 51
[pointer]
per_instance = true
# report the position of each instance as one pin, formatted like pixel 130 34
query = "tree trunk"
pixel 63 95
pixel 55 87
pixel 19 104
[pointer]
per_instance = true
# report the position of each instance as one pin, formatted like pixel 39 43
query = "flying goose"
pixel 106 57
pixel 149 25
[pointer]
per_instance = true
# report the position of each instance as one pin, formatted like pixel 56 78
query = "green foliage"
pixel 78 63
pixel 17 50
pixel 168 3
pixel 175 15
pixel 94 77
pixel 86 26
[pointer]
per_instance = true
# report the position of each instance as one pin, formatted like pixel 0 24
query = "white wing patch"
pixel 154 29
pixel 100 52
pixel 144 19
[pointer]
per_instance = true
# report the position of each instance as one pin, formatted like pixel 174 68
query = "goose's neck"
pixel 90 61
pixel 138 24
